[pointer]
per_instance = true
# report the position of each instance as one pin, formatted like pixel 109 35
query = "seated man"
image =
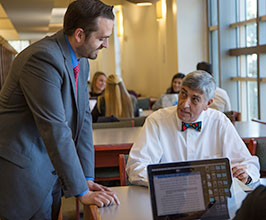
pixel 165 136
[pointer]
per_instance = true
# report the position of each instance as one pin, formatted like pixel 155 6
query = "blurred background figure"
pixel 115 101
pixel 97 85
pixel 221 101
pixel 175 84
pixel 171 96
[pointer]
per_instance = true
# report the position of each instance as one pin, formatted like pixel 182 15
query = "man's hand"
pixel 105 191
pixel 99 198
pixel 97 187
pixel 239 171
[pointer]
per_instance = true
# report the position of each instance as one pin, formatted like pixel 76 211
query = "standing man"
pixel 45 121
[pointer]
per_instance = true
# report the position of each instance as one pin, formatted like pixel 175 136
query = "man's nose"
pixel 105 43
pixel 186 102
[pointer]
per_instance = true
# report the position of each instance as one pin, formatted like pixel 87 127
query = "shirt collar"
pixel 200 118
pixel 73 56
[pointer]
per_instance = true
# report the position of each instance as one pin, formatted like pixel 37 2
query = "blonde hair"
pixel 117 99
pixel 94 79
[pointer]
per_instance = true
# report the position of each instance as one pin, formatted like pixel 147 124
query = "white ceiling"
pixel 33 19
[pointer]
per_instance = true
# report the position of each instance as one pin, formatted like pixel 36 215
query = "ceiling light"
pixel 143 2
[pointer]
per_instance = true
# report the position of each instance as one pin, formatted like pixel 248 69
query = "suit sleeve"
pixel 43 76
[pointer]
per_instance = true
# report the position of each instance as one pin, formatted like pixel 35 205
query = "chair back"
pixel 139 121
pixel 258 148
pixel 233 116
pixel 122 160
pixel 143 103
pixel 261 153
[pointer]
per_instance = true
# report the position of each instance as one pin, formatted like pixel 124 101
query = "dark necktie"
pixel 196 126
pixel 76 74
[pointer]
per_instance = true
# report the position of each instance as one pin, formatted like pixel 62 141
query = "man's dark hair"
pixel 83 14
pixel 205 66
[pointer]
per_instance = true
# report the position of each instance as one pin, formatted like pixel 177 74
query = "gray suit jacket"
pixel 45 132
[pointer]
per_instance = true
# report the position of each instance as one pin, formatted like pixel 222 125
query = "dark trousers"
pixel 51 205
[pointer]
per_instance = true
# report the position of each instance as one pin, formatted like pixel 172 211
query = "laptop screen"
pixel 92 103
pixel 189 189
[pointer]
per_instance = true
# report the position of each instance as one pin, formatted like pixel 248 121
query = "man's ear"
pixel 79 35
pixel 208 104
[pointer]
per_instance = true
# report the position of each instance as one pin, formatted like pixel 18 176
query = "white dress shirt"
pixel 161 140
pixel 221 101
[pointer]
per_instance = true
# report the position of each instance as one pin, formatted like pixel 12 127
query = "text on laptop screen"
pixel 189 188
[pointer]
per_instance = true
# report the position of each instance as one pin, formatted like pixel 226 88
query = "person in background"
pixel 221 100
pixel 175 84
pixel 173 89
pixel 190 131
pixel 46 144
pixel 97 84
pixel 115 100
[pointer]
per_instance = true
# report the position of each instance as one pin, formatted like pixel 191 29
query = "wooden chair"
pixel 107 167
pixel 259 121
pixel 91 212
pixel 258 148
pixel 143 103
pixel 233 116
pixel 122 159
pixel 139 121
pixel 106 159
pixel 60 215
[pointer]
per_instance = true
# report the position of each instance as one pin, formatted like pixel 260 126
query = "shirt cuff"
pixel 81 194
pixel 87 178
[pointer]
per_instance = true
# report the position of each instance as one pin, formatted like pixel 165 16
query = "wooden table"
pixel 108 144
pixel 250 130
pixel 115 136
pixel 135 204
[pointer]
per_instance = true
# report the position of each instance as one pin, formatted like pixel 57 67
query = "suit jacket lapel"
pixel 81 81
pixel 68 63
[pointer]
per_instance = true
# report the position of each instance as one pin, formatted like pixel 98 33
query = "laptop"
pixel 92 103
pixel 190 190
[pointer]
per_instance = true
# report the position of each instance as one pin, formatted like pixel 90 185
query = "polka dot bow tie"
pixel 196 126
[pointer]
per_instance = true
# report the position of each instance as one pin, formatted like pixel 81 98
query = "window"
pixel 242 49
pixel 19 45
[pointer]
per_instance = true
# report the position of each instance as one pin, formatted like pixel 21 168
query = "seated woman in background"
pixel 174 89
pixel 115 101
pixel 97 85
pixel 175 84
